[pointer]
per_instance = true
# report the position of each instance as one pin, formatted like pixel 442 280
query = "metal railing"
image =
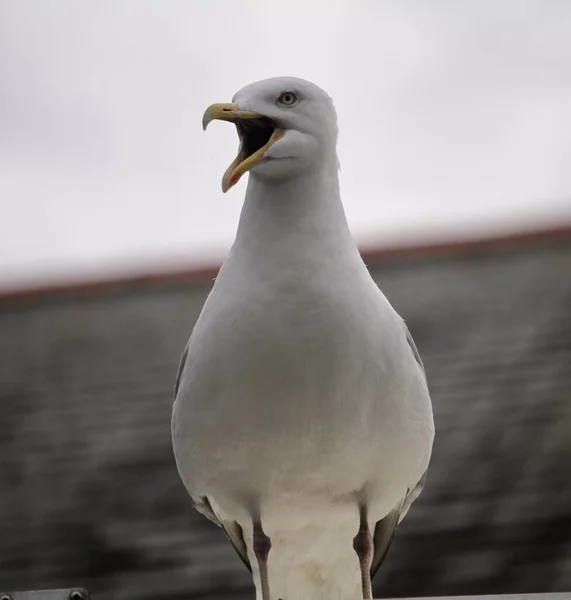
pixel 83 594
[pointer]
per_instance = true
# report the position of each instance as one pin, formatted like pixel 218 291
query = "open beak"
pixel 256 132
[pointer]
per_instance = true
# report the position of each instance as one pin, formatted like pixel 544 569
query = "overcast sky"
pixel 455 119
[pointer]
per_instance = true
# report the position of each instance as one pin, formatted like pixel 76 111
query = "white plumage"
pixel 300 396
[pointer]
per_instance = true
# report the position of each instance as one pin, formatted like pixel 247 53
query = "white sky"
pixel 455 118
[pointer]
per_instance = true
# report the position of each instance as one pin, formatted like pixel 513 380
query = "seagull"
pixel 302 423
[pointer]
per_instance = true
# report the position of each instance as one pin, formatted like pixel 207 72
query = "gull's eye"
pixel 288 99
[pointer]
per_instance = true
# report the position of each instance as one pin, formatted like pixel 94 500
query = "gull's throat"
pixel 254 134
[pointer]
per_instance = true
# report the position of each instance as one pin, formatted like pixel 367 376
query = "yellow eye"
pixel 287 99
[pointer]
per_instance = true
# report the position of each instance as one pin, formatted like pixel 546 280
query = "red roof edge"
pixel 554 235
pixel 203 275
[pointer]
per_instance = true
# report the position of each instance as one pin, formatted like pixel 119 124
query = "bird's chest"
pixel 291 354
pixel 288 384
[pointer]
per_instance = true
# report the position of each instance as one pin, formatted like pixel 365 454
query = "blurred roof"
pixel 90 493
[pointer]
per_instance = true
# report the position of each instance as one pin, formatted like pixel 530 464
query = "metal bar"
pixel 63 594
pixel 83 594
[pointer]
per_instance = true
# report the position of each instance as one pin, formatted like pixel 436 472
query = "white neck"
pixel 296 217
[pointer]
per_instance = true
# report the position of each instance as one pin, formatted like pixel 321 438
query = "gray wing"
pixel 232 530
pixel 385 528
pixel 414 349
pixel 180 370
pixel 235 534
pixel 202 504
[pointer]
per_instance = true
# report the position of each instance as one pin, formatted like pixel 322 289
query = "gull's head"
pixel 285 125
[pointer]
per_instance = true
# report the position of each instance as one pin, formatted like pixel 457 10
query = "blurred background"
pixel 455 149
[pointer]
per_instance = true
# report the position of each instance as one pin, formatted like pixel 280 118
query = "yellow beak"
pixel 250 152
